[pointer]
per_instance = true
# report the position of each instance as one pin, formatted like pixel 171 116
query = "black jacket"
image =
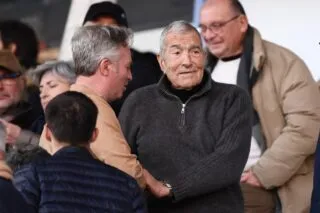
pixel 11 200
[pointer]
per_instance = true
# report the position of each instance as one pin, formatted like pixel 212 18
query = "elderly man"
pixel 102 62
pixel 13 107
pixel 188 131
pixel 285 99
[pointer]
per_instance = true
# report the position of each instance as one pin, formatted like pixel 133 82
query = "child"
pixel 72 180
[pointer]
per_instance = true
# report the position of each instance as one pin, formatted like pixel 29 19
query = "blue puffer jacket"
pixel 73 181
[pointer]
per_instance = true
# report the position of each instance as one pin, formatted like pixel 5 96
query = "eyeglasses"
pixel 217 26
pixel 9 78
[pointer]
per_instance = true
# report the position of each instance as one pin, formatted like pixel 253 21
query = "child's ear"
pixel 47 133
pixel 94 135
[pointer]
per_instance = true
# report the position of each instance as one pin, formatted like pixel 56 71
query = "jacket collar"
pixel 74 151
pixel 206 82
pixel 259 52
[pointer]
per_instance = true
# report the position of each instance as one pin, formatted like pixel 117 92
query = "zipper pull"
pixel 183 117
pixel 183 108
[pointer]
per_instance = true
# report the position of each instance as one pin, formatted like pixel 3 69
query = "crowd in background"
pixel 231 127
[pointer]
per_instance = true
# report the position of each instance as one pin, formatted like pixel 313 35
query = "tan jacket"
pixel 287 100
pixel 110 145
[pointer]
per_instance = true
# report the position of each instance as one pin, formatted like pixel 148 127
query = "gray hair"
pixel 62 69
pixel 176 27
pixel 92 44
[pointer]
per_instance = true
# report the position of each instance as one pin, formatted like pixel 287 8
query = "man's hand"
pixel 154 186
pixel 12 131
pixel 249 178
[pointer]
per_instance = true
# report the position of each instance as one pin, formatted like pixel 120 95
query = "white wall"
pixel 291 23
pixel 147 40
pixel 77 12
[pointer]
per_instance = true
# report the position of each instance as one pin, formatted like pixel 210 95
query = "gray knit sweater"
pixel 199 147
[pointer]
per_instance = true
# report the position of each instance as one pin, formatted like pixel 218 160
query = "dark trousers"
pixel 258 200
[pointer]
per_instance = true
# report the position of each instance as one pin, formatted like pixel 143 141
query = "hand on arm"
pixel 249 178
pixel 157 188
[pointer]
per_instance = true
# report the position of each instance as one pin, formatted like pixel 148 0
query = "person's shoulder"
pixel 277 52
pixel 114 174
pixel 228 89
pixel 144 93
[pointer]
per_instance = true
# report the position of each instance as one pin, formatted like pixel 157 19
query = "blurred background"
pixel 293 24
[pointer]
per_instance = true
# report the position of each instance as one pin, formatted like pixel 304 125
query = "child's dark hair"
pixel 71 117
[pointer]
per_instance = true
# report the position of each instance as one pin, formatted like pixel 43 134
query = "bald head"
pixel 234 5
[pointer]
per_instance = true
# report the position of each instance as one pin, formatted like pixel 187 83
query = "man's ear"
pixel 105 67
pixel 47 133
pixel 94 135
pixel 244 23
pixel 161 63
pixel 13 47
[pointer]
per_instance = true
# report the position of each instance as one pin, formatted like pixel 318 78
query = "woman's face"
pixel 51 85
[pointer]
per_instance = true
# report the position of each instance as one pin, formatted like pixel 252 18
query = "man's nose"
pixel 130 75
pixel 187 59
pixel 43 94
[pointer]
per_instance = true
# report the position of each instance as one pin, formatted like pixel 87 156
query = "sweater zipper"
pixel 183 115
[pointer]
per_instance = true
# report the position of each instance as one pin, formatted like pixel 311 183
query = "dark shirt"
pixel 11 200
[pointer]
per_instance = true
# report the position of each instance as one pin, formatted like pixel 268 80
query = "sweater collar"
pixel 164 85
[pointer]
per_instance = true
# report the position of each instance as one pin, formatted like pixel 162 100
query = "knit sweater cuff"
pixel 180 189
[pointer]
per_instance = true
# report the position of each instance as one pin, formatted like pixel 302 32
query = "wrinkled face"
pixel 120 74
pixel 222 29
pixel 11 88
pixel 51 85
pixel 183 59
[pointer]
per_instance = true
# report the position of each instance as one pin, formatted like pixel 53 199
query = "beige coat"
pixel 110 145
pixel 287 100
